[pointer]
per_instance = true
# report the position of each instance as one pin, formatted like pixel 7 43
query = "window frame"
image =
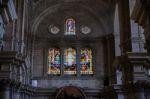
pixel 92 59
pixel 48 59
pixel 78 52
pixel 66 27
pixel 64 59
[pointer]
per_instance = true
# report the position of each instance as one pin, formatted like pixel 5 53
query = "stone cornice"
pixel 126 88
pixel 10 57
pixel 138 57
pixel 131 57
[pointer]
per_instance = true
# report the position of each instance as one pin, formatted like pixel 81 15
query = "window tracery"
pixel 69 63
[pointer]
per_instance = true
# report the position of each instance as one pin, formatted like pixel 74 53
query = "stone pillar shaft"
pixel 125 29
pixel 5 93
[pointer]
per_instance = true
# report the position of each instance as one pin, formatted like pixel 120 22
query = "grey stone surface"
pixel 84 83
pixel 29 36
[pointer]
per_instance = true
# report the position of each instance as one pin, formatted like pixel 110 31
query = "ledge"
pixel 10 57
pixel 138 56
pixel 132 57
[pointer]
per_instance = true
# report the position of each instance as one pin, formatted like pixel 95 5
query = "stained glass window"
pixel 70 65
pixel 70 27
pixel 54 61
pixel 86 63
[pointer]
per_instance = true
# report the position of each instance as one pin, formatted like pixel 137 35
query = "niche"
pixel 70 92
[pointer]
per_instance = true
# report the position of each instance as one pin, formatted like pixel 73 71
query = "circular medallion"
pixel 85 30
pixel 53 29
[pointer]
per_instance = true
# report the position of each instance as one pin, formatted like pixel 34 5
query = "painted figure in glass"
pixel 86 66
pixel 70 27
pixel 70 61
pixel 54 61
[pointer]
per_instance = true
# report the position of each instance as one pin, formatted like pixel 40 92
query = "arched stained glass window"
pixel 70 65
pixel 86 63
pixel 54 61
pixel 70 27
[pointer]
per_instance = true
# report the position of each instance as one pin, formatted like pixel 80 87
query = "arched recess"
pixel 57 7
pixel 70 92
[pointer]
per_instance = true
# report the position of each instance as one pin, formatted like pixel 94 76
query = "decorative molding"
pixel 10 57
pixel 53 29
pixel 85 29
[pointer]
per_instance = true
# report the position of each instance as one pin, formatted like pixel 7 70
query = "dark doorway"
pixel 70 92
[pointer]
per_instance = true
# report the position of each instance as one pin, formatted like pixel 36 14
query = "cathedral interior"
pixel 74 49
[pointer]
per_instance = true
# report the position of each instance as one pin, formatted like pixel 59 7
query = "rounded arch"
pixel 70 92
pixel 70 27
pixel 56 8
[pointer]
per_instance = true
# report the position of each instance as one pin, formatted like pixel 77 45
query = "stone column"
pixel 147 33
pixel 4 94
pixel 78 60
pixel 139 95
pixel 5 89
pixel 26 96
pixel 108 45
pixel 124 22
pixel 62 60
pixel 117 32
pixel 125 36
pixel 120 96
pixel 17 94
pixel 2 32
pixel 111 54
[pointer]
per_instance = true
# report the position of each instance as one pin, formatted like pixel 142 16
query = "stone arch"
pixel 55 8
pixel 70 92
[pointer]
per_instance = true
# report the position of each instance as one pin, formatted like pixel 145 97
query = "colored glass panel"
pixel 70 65
pixel 70 27
pixel 54 61
pixel 86 64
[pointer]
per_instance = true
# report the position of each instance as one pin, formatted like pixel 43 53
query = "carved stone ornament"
pixel 85 29
pixel 53 29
